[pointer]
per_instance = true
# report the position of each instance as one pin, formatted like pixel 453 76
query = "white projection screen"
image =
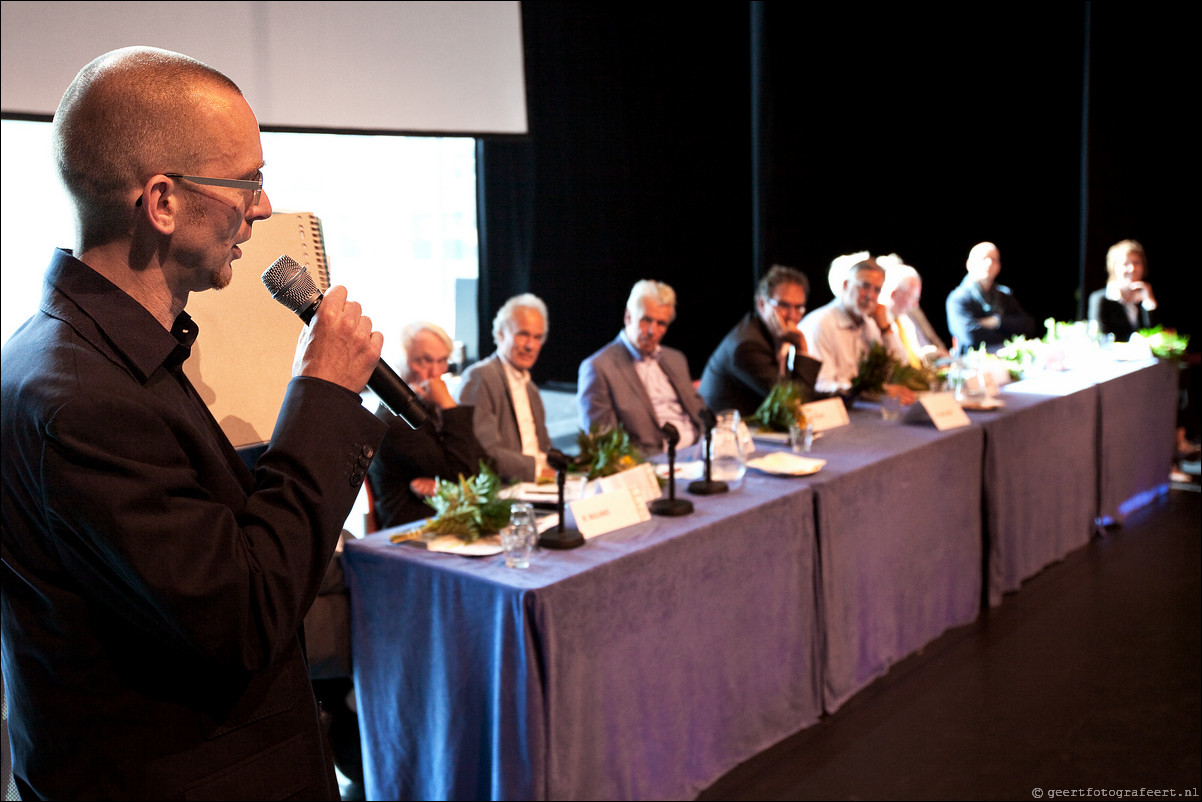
pixel 399 67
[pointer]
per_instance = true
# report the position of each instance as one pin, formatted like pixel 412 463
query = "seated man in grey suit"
pixel 639 383
pixel 509 420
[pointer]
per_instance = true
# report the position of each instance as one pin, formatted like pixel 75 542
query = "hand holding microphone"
pixel 339 345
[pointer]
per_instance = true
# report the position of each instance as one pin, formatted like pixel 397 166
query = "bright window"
pixel 398 216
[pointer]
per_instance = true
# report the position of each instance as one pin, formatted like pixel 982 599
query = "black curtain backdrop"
pixel 919 130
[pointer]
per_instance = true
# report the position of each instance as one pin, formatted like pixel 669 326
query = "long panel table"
pixel 644 664
pixel 654 659
pixel 899 537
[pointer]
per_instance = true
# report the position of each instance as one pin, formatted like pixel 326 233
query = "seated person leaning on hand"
pixel 1126 304
pixel 638 383
pixel 764 347
pixel 403 472
pixel 510 420
pixel 842 331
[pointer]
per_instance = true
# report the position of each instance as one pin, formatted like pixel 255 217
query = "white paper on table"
pixel 639 480
pixel 826 414
pixel 941 409
pixel 546 492
pixel 608 511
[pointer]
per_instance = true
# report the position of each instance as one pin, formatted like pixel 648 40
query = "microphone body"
pixel 291 285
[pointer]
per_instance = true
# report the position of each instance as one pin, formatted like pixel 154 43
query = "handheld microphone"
pixel 291 285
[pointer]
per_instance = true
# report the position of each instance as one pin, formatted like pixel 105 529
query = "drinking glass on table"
pixel 519 537
pixel 727 451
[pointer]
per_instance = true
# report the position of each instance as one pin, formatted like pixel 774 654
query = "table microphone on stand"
pixel 671 505
pixel 560 537
pixel 706 486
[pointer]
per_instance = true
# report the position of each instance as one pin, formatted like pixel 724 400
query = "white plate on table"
pixel 782 463
pixel 690 469
pixel 483 547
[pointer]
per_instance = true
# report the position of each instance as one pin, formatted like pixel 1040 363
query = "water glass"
pixel 801 438
pixel 891 408
pixel 520 536
pixel 726 449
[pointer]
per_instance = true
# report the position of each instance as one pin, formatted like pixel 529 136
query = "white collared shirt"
pixel 518 380
pixel 664 398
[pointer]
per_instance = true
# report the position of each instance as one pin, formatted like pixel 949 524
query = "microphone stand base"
pixel 561 539
pixel 704 488
pixel 671 506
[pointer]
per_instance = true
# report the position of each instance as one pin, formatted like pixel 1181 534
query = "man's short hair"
pixel 778 275
pixel 896 271
pixel 1117 255
pixel 413 329
pixel 864 266
pixel 647 288
pixel 980 251
pixel 504 318
pixel 840 266
pixel 129 114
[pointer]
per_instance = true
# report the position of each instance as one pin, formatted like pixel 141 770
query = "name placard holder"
pixel 639 480
pixel 828 413
pixel 608 511
pixel 941 409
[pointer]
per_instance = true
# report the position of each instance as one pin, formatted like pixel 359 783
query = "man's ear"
pixel 160 204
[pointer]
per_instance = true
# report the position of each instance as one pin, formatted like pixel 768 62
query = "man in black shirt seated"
pixel 403 472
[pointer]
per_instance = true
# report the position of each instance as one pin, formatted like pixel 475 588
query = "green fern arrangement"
pixel 781 408
pixel 470 508
pixel 604 453
pixel 876 368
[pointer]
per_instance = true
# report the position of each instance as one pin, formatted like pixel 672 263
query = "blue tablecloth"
pixel 643 665
pixel 899 534
pixel 654 659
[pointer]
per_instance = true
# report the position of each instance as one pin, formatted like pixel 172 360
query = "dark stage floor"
pixel 1087 678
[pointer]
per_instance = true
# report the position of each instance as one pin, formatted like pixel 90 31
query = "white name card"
pixel 639 480
pixel 828 413
pixel 941 409
pixel 608 511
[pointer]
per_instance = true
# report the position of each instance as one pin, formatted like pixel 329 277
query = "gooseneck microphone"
pixel 291 285
pixel 561 537
pixel 671 505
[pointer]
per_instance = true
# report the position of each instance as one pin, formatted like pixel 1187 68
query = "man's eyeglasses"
pixel 779 304
pixel 254 184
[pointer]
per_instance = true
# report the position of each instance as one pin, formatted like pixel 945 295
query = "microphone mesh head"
pixel 291 284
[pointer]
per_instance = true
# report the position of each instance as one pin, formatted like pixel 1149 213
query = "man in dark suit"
pixel 981 311
pixel 638 383
pixel 509 419
pixel 765 347
pixel 403 472
pixel 153 587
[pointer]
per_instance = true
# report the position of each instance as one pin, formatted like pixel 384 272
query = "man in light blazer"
pixel 638 383
pixel 509 418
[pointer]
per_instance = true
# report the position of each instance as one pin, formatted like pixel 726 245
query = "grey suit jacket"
pixel 496 424
pixel 610 392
